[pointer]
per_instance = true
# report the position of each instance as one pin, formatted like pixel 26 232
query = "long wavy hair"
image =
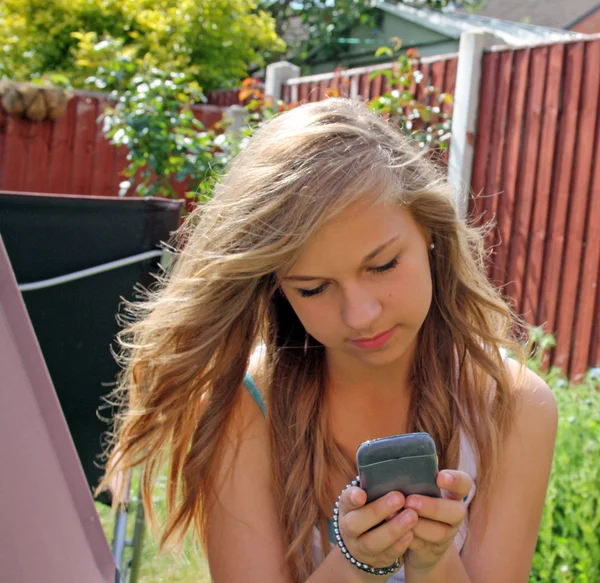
pixel 185 347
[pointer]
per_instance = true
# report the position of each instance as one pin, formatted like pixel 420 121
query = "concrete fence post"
pixel 464 113
pixel 277 74
pixel 235 116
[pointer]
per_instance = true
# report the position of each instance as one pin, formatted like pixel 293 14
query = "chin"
pixel 385 355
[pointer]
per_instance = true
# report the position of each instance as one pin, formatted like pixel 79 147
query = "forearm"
pixel 449 570
pixel 337 569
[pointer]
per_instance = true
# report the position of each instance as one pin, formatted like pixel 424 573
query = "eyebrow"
pixel 367 258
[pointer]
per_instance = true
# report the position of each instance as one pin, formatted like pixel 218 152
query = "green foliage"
pixel 424 120
pixel 213 41
pixel 153 118
pixel 568 546
pixel 152 115
pixel 157 566
pixel 327 22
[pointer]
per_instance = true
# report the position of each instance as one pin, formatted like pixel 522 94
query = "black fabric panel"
pixel 48 236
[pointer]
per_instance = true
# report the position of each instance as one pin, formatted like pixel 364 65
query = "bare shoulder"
pixel 537 410
pixel 244 536
pixel 517 496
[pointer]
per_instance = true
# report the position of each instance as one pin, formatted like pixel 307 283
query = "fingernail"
pixel 414 503
pixel 394 500
pixel 407 518
pixel 355 497
pixel 448 478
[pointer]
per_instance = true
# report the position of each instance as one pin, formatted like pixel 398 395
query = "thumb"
pixel 351 499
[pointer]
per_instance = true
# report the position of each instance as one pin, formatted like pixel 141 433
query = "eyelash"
pixel 307 293
pixel 390 265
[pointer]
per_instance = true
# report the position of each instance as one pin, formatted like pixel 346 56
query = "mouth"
pixel 374 341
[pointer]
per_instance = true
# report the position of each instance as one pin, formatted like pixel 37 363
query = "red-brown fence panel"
pixel 61 151
pixel 543 186
pixel 84 145
pixel 223 97
pixel 561 186
pixel 69 155
pixel 587 325
pixel 510 163
pixel 573 287
pixel 480 202
pixel 526 181
pixel 357 83
pixel 536 172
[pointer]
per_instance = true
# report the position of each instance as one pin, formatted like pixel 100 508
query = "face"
pixel 362 286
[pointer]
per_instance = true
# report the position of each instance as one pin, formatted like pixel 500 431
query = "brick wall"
pixel 589 25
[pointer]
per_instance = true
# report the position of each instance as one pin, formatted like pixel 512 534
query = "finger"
pixel 386 535
pixel 361 520
pixel 351 499
pixel 433 532
pixel 398 549
pixel 417 544
pixel 456 483
pixel 451 512
pixel 385 557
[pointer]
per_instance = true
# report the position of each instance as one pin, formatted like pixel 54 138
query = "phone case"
pixel 404 463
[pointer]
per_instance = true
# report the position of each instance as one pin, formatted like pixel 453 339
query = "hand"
pixel 439 519
pixel 387 542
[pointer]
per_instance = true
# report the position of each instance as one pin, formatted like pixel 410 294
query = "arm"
pixel 244 540
pixel 244 536
pixel 502 552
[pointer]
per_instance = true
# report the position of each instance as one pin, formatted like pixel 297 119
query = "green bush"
pixel 153 118
pixel 212 41
pixel 568 546
pixel 423 120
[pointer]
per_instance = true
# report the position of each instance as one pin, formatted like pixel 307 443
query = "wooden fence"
pixel 69 155
pixel 439 72
pixel 223 97
pixel 536 173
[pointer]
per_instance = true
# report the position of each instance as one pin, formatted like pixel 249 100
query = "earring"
pixel 432 246
pixel 305 343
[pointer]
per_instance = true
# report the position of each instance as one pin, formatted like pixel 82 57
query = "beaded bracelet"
pixel 358 564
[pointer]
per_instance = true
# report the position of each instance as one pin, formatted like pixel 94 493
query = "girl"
pixel 328 294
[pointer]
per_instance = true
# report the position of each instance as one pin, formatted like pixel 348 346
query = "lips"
pixel 374 341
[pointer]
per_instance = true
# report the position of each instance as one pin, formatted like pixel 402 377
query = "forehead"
pixel 354 233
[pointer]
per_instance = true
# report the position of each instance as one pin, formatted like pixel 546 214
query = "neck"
pixel 367 402
pixel 356 380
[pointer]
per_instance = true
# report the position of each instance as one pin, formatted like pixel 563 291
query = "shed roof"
pixel 452 24
pixel 551 13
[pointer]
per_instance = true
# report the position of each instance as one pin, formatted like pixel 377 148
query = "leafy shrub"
pixel 153 118
pixel 568 546
pixel 424 121
pixel 212 41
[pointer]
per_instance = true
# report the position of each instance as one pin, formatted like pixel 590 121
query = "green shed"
pixel 429 31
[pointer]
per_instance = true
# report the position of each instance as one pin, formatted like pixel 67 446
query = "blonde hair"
pixel 187 347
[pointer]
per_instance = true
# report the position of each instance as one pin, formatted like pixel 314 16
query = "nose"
pixel 360 309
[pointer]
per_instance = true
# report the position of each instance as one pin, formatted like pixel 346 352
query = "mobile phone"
pixel 404 463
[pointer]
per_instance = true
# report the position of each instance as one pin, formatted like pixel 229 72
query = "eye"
pixel 381 268
pixel 307 293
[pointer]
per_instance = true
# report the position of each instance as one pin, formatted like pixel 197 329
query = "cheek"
pixel 316 317
pixel 411 291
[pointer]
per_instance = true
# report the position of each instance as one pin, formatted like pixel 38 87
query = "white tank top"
pixel 466 464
